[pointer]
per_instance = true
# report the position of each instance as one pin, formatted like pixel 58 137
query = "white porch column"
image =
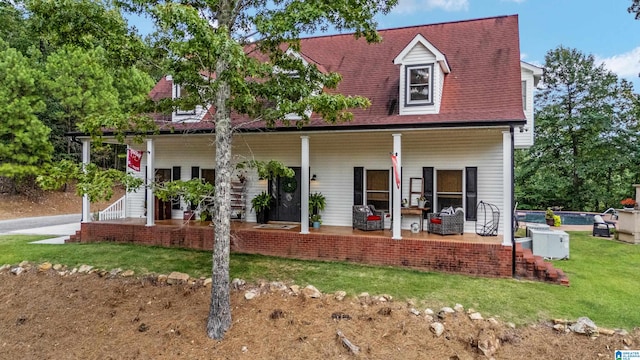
pixel 86 204
pixel 304 204
pixel 150 177
pixel 507 183
pixel 397 195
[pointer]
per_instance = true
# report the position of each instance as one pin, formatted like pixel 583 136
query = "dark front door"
pixel 286 193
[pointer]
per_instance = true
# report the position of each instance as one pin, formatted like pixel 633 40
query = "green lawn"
pixel 603 274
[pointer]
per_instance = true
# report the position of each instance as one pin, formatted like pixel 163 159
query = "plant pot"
pixel 421 204
pixel 262 216
pixel 549 222
pixel 316 225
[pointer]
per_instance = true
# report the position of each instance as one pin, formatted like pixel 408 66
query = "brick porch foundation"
pixel 468 258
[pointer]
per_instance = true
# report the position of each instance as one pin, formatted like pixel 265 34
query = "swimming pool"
pixel 566 217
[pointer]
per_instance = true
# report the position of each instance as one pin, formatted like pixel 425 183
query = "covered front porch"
pixel 468 254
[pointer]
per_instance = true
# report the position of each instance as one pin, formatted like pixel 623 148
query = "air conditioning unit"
pixel 536 227
pixel 550 244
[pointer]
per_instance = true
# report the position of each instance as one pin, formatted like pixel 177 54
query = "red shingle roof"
pixel 483 86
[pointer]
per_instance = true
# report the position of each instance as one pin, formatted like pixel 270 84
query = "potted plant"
pixel 261 203
pixel 316 220
pixel 628 203
pixel 317 203
pixel 549 217
pixel 192 192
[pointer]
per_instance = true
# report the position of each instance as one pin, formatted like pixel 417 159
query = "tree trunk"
pixel 219 320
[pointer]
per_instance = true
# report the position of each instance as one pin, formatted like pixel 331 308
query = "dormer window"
pixel 422 71
pixel 419 80
pixel 178 91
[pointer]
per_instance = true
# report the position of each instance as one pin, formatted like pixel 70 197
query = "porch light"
pixel 314 178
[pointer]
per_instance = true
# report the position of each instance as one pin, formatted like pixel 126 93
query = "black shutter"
pixel 427 178
pixel 471 192
pixel 175 175
pixel 358 186
pixel 195 172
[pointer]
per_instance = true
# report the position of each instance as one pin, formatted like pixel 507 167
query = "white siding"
pixel 523 137
pixel 334 155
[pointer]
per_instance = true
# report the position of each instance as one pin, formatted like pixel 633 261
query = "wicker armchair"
pixel 445 224
pixel 366 217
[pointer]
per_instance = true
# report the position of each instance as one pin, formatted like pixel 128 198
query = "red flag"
pixel 396 173
pixel 133 159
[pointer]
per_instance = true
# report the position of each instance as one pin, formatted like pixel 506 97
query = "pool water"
pixel 567 218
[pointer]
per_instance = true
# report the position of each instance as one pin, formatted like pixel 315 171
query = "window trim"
pixel 407 87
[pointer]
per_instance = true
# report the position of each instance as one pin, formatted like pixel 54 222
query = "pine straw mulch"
pixel 47 316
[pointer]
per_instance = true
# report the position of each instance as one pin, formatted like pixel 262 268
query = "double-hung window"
pixel 378 189
pixel 419 84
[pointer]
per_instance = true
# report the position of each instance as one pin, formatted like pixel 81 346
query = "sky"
pixel 602 28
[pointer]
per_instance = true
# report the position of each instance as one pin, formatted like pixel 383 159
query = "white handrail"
pixel 614 213
pixel 114 211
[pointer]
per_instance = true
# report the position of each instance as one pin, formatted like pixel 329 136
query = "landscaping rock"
pixel 177 278
pixel 251 294
pixel 5 267
pixel 310 291
pixel 238 283
pixel 437 328
pixel 295 289
pixel 277 286
pixel 84 269
pixel 128 273
pixel 488 342
pixel 584 325
pixel 475 316
pixel 17 270
pixel 458 308
pixel 115 272
pixel 340 295
pixel 414 312
pixel 207 281
pixel 46 266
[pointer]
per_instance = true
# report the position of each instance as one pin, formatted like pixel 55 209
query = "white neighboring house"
pixel 450 100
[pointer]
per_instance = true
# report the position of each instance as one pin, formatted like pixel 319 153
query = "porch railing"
pixel 114 211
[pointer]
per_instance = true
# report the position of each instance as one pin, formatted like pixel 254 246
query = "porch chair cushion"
pixel 367 218
pixel 446 224
pixel 602 227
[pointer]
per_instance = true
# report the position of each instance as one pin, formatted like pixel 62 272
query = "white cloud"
pixel 406 6
pixel 626 65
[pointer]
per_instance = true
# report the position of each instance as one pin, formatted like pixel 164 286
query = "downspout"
pixel 513 233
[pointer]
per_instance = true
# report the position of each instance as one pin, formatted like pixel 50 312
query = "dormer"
pixel 294 74
pixel 422 71
pixel 183 115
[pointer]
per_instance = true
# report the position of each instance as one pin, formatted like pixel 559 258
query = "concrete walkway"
pixel 59 227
